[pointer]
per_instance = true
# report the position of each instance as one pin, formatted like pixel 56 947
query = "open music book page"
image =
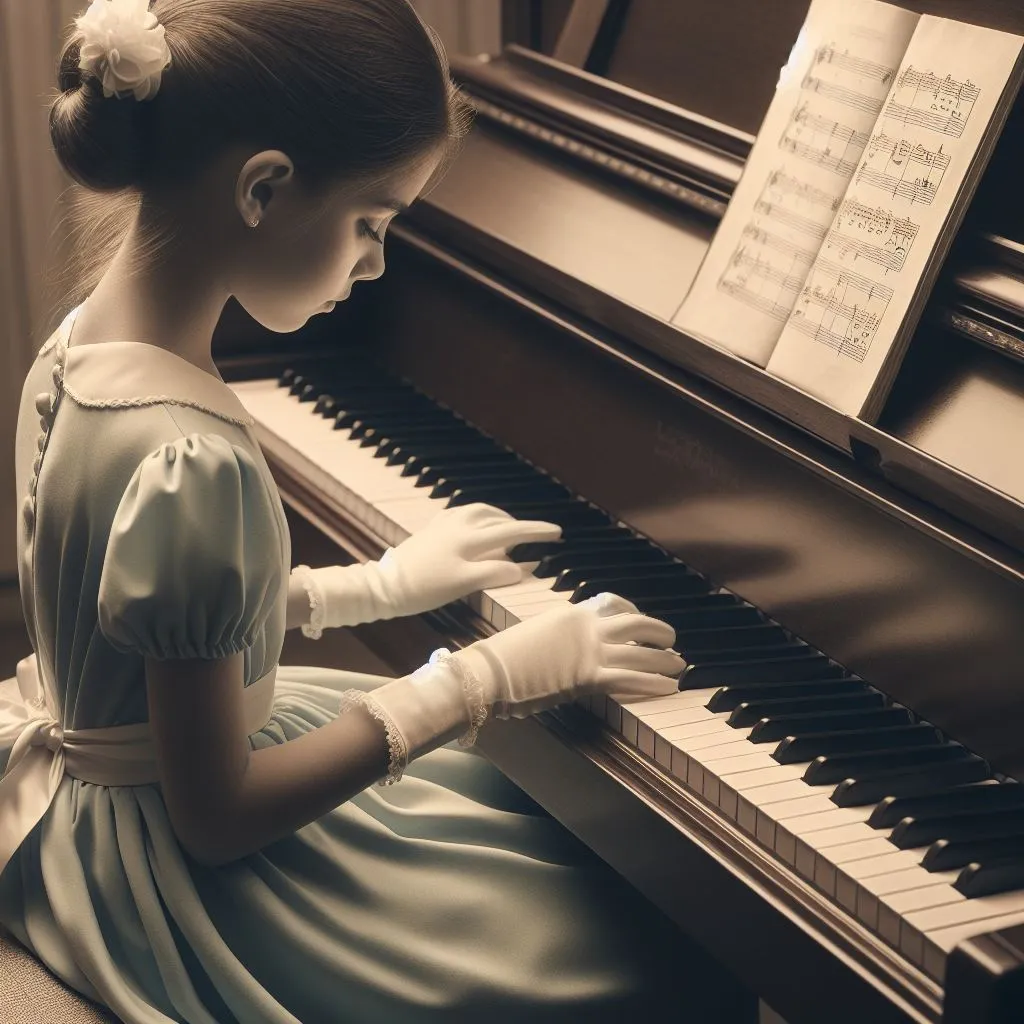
pixel 865 291
pixel 829 96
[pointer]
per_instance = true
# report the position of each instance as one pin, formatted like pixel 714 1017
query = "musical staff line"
pixel 783 216
pixel 872 233
pixel 923 99
pixel 840 309
pixel 788 185
pixel 887 162
pixel 840 94
pixel 823 157
pixel 847 61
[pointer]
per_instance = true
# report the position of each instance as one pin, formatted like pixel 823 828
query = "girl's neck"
pixel 171 306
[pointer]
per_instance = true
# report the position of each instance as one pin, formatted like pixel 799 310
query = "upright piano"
pixel 830 804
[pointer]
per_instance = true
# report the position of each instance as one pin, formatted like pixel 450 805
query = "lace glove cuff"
pixel 314 629
pixel 421 711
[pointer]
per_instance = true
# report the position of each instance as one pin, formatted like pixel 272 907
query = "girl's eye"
pixel 369 232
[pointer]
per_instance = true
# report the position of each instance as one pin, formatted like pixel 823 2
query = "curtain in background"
pixel 31 241
pixel 30 33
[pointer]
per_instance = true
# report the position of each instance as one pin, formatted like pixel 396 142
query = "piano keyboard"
pixel 906 830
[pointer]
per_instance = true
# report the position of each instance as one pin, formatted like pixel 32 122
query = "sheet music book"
pixel 866 161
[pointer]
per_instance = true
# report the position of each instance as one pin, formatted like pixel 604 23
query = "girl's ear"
pixel 259 176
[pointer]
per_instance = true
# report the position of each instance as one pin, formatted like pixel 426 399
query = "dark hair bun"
pixel 95 138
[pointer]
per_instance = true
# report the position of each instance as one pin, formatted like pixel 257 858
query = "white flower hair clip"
pixel 123 45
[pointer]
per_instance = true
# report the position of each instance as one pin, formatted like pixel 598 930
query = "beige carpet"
pixel 30 994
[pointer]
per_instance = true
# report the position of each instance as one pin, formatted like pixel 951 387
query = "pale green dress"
pixel 152 526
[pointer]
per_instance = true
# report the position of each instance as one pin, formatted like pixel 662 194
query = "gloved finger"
pixel 477 513
pixel 642 659
pixel 607 603
pixel 642 629
pixel 490 575
pixel 502 536
pixel 624 683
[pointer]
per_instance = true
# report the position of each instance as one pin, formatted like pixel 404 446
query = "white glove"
pixel 460 551
pixel 555 657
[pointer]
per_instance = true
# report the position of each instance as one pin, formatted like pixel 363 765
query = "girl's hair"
pixel 351 90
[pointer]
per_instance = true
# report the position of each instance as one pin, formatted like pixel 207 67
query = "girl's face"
pixel 305 256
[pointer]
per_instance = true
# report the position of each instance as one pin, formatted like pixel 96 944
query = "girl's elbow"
pixel 206 842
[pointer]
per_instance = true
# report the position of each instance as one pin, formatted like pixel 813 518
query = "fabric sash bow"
pixel 42 752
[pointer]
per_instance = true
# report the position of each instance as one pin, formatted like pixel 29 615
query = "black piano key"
pixel 1000 874
pixel 441 450
pixel 730 697
pixel 702 611
pixel 384 442
pixel 432 470
pixel 299 381
pixel 602 529
pixel 830 769
pixel 534 551
pixel 761 634
pixel 978 825
pixel 637 553
pixel 637 586
pixel 609 576
pixel 807 664
pixel 715 656
pixel 347 413
pixel 797 749
pixel 286 378
pixel 375 425
pixel 753 711
pixel 950 854
pixel 893 809
pixel 569 515
pixel 778 727
pixel 330 405
pixel 376 429
pixel 444 486
pixel 870 788
pixel 438 443
pixel 363 406
pixel 496 494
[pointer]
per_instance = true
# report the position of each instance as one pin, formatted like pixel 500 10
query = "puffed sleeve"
pixel 194 562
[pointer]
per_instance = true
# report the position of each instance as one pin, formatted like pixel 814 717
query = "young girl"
pixel 188 831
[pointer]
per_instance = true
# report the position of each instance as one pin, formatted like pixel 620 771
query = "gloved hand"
pixel 462 550
pixel 586 648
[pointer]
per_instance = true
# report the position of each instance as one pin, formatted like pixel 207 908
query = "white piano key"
pixel 939 943
pixel 964 911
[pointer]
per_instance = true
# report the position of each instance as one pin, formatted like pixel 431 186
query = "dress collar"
pixel 123 374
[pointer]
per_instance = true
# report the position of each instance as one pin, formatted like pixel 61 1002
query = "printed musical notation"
pixel 869 70
pixel 923 99
pixel 840 309
pixel 871 233
pixel 887 162
pixel 823 141
pixel 830 93
pixel 836 80
pixel 768 265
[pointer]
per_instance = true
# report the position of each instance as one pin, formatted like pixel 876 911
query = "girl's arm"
pixel 298 612
pixel 226 800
